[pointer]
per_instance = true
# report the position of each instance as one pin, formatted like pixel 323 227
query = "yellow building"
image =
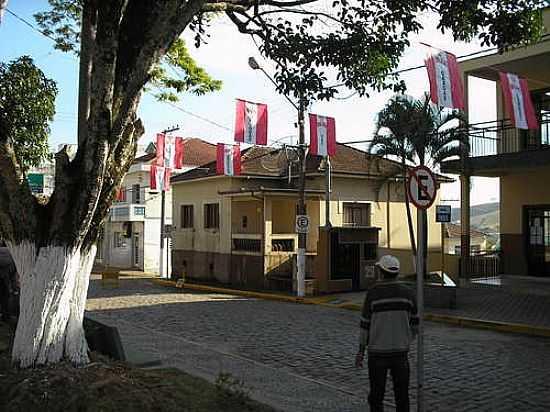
pixel 520 159
pixel 241 230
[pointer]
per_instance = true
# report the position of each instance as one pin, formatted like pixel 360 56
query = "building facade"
pixel 519 158
pixel 131 235
pixel 241 230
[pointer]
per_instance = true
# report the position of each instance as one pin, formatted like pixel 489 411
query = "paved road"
pixel 299 357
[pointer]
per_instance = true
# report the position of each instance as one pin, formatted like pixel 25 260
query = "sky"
pixel 225 57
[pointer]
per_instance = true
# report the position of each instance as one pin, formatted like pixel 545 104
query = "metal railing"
pixel 482 266
pixel 499 137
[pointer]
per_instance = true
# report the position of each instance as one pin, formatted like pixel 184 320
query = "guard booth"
pixel 349 263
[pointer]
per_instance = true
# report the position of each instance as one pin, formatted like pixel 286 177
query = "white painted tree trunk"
pixel 54 284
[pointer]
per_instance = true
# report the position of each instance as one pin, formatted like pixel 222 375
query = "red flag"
pixel 446 89
pixel 517 100
pixel 169 151
pixel 228 160
pixel 251 123
pixel 121 195
pixel 159 178
pixel 322 135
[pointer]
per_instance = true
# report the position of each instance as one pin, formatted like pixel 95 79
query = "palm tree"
pixel 417 132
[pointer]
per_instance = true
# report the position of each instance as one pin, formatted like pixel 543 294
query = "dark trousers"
pixel 398 365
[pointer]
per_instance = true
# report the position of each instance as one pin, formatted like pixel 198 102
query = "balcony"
pixel 127 212
pixel 497 148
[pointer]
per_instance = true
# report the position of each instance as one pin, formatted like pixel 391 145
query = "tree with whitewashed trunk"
pixel 121 42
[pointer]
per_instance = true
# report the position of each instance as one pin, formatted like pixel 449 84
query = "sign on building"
pixel 302 223
pixel 443 213
pixel 36 182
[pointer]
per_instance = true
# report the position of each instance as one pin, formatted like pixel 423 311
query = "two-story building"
pixel 519 158
pixel 131 235
pixel 240 230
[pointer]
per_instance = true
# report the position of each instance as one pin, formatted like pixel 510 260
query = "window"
pixel 356 214
pixel 119 240
pixel 212 216
pixel 136 194
pixel 186 216
pixel 244 222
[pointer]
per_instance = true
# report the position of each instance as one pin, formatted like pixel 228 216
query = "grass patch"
pixel 108 386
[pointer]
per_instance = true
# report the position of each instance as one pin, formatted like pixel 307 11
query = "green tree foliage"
pixel 364 40
pixel 417 131
pixel 27 104
pixel 176 73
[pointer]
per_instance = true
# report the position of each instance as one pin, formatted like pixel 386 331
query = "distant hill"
pixel 483 217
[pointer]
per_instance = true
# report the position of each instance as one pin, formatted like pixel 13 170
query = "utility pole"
pixel 162 217
pixel 302 236
pixel 302 151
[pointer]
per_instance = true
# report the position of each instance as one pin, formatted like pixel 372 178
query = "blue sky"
pixel 225 58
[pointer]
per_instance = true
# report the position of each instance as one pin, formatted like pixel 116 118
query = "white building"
pixel 131 233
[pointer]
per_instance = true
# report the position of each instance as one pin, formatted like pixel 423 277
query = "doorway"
pixel 537 234
pixel 346 261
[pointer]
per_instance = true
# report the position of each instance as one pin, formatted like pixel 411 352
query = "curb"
pixel 238 292
pixel 325 301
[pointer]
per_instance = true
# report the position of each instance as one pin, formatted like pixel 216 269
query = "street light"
pixel 302 237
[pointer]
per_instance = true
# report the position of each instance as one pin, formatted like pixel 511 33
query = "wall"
pixel 391 219
pixel 253 210
pixel 514 194
pixel 202 253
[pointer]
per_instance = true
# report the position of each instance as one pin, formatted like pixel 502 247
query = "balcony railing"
pixel 124 212
pixel 499 137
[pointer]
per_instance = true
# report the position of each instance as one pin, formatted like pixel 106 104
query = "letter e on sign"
pixel 421 187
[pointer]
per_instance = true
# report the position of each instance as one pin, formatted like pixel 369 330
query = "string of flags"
pixel 447 90
pixel 251 120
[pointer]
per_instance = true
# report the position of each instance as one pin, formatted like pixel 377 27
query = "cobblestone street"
pixel 300 357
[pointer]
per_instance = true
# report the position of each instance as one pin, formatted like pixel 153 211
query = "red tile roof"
pixel 196 152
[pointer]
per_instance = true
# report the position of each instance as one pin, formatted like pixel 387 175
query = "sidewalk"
pixel 516 305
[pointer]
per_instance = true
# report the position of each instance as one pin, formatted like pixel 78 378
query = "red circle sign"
pixel 421 187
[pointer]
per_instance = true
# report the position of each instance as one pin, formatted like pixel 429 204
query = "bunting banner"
pixel 446 89
pixel 322 135
pixel 228 160
pixel 159 178
pixel 251 123
pixel 169 151
pixel 518 101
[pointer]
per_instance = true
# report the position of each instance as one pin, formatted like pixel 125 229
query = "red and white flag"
pixel 169 151
pixel 518 101
pixel 228 160
pixel 251 123
pixel 322 135
pixel 446 87
pixel 159 178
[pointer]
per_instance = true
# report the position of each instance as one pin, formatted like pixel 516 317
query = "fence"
pixel 482 267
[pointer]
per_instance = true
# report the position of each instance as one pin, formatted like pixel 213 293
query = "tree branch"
pixel 87 40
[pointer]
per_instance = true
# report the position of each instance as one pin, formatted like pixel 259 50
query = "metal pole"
pixel 420 270
pixel 162 213
pixel 442 253
pixel 302 237
pixel 162 218
pixel 328 189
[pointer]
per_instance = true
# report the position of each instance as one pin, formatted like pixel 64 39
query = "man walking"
pixel 389 322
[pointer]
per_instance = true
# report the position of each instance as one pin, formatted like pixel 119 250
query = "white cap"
pixel 389 264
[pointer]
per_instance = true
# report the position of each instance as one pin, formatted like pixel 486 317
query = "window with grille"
pixel 136 194
pixel 356 214
pixel 187 216
pixel 211 216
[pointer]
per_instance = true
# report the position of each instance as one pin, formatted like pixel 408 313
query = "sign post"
pixel 443 215
pixel 422 188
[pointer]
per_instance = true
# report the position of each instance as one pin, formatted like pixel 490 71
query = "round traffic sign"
pixel 421 186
